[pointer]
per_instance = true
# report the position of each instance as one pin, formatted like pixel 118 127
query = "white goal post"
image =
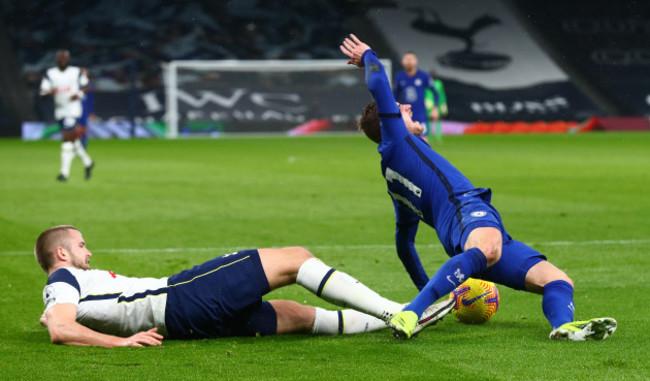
pixel 279 93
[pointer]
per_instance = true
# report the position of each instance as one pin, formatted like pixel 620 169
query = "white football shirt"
pixel 65 84
pixel 109 303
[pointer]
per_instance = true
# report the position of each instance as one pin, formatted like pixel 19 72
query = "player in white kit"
pixel 67 85
pixel 219 298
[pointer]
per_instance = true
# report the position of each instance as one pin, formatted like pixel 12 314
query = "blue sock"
pixel 557 303
pixel 449 276
pixel 84 141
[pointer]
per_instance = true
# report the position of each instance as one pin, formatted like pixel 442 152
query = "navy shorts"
pixel 68 123
pixel 474 213
pixel 220 298
pixel 516 257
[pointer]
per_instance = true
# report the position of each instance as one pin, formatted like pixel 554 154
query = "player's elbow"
pixel 57 336
pixel 59 333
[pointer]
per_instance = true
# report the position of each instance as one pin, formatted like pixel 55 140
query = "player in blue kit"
pixel 410 87
pixel 426 187
pixel 88 111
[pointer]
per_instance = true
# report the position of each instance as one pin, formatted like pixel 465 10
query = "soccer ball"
pixel 476 301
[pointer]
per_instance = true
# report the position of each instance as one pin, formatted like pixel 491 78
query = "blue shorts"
pixel 474 212
pixel 83 121
pixel 516 257
pixel 220 298
pixel 68 123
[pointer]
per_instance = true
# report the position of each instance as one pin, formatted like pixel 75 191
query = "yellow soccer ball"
pixel 476 301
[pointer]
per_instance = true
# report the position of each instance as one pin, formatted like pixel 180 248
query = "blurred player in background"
pixel 431 105
pixel 219 298
pixel 409 88
pixel 425 187
pixel 67 84
pixel 88 111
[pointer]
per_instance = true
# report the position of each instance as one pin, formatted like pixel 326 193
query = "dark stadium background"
pixel 601 46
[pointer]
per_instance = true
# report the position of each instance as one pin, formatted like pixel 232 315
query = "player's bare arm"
pixel 354 49
pixel 64 329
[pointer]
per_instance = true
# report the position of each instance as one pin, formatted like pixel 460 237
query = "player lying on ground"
pixel 426 187
pixel 220 298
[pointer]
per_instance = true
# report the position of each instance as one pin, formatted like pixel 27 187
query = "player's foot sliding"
pixel 403 324
pixel 594 329
pixel 433 314
pixel 406 324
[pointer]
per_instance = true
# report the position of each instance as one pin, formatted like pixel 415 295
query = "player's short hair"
pixel 369 122
pixel 48 241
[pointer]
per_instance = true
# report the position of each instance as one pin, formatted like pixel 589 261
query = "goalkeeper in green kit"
pixel 431 104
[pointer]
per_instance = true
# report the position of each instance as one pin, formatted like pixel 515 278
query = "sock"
pixel 84 141
pixel 341 289
pixel 67 154
pixel 344 322
pixel 449 276
pixel 81 152
pixel 557 303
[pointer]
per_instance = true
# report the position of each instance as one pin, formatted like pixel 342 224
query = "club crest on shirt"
pixel 479 213
pixel 49 296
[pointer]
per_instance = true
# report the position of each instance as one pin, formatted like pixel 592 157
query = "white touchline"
pixel 230 249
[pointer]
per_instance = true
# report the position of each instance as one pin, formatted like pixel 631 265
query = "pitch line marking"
pixel 230 249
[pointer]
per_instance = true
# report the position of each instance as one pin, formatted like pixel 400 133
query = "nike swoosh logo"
pixel 451 281
pixel 467 302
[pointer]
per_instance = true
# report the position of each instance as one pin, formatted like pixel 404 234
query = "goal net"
pixel 293 96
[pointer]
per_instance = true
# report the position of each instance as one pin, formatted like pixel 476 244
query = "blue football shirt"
pixel 410 90
pixel 423 184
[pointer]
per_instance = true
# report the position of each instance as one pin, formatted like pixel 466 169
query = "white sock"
pixel 344 322
pixel 341 289
pixel 67 154
pixel 81 152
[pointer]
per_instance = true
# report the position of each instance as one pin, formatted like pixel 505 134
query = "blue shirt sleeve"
pixel 392 125
pixel 405 232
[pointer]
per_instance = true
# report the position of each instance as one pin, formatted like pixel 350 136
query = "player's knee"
pixel 491 248
pixel 561 275
pixel 542 274
pixel 487 239
pixel 298 254
pixel 492 253
pixel 555 274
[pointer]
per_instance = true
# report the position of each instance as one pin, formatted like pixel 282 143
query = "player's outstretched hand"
pixel 150 337
pixel 354 49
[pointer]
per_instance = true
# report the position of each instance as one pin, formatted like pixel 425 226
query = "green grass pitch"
pixel 155 207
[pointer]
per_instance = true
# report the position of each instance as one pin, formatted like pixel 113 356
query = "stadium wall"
pixel 491 67
pixel 15 104
pixel 604 45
